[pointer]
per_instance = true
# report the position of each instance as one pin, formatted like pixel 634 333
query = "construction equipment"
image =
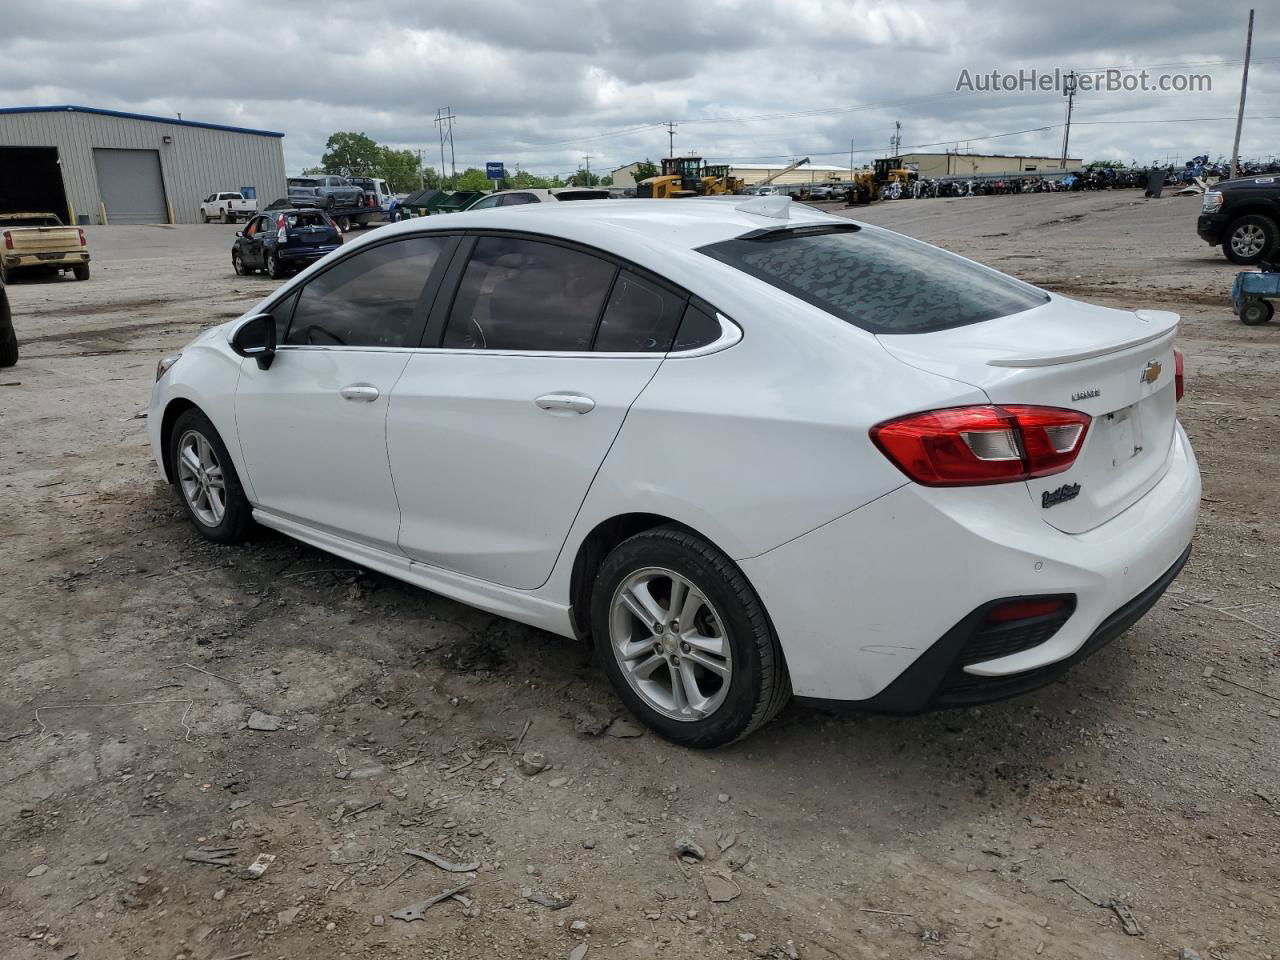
pixel 680 177
pixel 689 177
pixel 718 179
pixel 781 173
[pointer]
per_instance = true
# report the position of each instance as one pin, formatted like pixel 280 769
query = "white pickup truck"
pixel 227 207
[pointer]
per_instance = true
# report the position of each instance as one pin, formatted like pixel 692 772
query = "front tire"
pixel 207 482
pixel 237 264
pixel 1250 239
pixel 685 640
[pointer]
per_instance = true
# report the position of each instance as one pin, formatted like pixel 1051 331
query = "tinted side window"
pixel 369 299
pixel 515 199
pixel 697 329
pixel 526 295
pixel 640 317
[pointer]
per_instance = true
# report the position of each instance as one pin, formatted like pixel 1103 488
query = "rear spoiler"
pixel 1168 327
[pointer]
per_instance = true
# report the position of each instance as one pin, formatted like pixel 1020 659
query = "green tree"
pixel 469 179
pixel 399 168
pixel 606 181
pixel 645 169
pixel 583 178
pixel 312 171
pixel 351 154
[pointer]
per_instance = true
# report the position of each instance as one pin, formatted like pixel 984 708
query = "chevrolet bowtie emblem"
pixel 1152 373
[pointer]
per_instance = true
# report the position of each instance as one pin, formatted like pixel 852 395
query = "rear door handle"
pixel 360 391
pixel 565 402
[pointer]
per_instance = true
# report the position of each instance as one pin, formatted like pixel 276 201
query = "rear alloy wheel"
pixel 274 270
pixel 1250 239
pixel 224 217
pixel 1256 312
pixel 685 640
pixel 207 480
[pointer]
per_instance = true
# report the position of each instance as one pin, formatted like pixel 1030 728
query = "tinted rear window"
pixel 881 282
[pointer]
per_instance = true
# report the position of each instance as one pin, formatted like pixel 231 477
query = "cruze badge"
pixel 1068 491
pixel 1152 373
pixel 1086 395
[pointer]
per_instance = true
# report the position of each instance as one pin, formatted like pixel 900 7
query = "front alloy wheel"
pixel 671 644
pixel 207 480
pixel 200 476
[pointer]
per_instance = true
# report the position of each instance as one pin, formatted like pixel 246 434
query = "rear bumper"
pixel 936 680
pixel 20 261
pixel 858 602
pixel 305 254
pixel 1211 226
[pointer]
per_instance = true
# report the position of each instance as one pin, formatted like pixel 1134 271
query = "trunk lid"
pixel 1115 365
pixel 27 240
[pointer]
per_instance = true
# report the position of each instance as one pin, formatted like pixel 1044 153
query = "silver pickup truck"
pixel 324 190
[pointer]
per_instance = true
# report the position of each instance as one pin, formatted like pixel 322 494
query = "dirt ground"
pixel 1149 776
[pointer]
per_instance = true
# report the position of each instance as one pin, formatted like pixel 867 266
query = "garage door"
pixel 130 185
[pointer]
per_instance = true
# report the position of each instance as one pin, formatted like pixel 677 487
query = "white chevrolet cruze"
pixel 747 449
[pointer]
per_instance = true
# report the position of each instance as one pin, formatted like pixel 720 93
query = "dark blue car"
pixel 282 240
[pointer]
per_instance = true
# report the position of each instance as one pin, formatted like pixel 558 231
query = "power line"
pixel 984 137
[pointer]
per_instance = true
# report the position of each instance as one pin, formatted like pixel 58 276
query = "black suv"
pixel 282 240
pixel 1244 216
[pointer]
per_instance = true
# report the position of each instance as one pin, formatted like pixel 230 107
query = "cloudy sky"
pixel 541 83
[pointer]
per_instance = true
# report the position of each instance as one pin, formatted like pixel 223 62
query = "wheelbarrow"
pixel 1253 294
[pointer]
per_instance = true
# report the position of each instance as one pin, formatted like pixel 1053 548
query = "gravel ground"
pixel 1150 776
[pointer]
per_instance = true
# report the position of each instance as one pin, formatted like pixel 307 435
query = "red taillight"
pixel 83 242
pixel 8 240
pixel 282 234
pixel 964 446
pixel 1025 609
pixel 1179 381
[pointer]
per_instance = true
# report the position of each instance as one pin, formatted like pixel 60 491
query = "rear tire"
pixel 1251 239
pixel 275 270
pixel 1256 312
pixel 81 272
pixel 219 513
pixel 726 644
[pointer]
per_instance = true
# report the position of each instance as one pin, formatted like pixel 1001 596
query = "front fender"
pixel 205 377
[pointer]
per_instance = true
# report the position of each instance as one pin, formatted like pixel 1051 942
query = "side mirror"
pixel 239 233
pixel 257 338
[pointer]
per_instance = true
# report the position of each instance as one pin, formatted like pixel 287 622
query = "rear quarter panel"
pixel 767 439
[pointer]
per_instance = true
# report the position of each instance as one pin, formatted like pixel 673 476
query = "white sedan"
pixel 745 449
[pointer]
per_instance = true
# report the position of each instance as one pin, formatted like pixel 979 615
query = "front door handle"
pixel 360 391
pixel 565 402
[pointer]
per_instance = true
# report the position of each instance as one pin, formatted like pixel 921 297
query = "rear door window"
pixel 516 199
pixel 639 318
pixel 369 299
pixel 519 294
pixel 876 280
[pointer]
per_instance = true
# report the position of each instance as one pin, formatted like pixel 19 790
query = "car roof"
pixel 661 235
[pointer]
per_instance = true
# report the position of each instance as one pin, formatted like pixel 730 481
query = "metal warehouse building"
pixel 104 166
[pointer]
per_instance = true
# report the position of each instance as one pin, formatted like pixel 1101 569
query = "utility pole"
pixel 1244 86
pixel 851 158
pixel 671 139
pixel 586 162
pixel 895 143
pixel 1070 84
pixel 444 123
